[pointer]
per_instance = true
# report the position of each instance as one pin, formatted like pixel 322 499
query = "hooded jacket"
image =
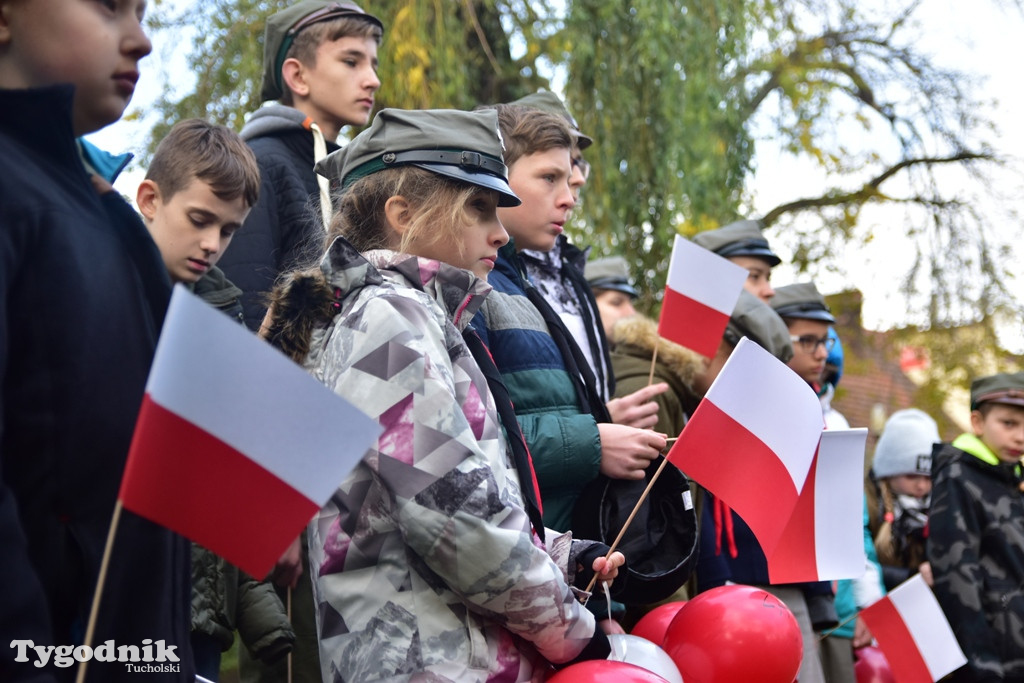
pixel 976 550
pixel 83 292
pixel 284 229
pixel 424 561
pixel 562 437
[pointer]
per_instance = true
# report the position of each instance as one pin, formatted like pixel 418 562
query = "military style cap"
pixel 462 145
pixel 610 273
pixel 742 238
pixel 905 446
pixel 754 319
pixel 1006 387
pixel 549 102
pixel 802 301
pixel 286 24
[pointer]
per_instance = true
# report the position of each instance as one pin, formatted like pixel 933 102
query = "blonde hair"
pixel 302 299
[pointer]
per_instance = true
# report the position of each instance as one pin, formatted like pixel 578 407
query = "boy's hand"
pixel 627 451
pixel 288 569
pixel 607 568
pixel 637 409
pixel 925 568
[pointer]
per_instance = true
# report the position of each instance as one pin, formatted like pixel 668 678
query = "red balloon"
pixel 871 666
pixel 735 634
pixel 654 624
pixel 604 671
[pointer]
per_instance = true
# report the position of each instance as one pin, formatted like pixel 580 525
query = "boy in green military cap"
pixel 976 531
pixel 320 65
pixel 744 244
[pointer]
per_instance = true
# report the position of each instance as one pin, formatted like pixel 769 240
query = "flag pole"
pixel 654 359
pixel 289 621
pixel 98 594
pixel 629 519
pixel 844 622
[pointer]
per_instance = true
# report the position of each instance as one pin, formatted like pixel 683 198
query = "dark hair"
pixel 526 131
pixel 306 42
pixel 198 149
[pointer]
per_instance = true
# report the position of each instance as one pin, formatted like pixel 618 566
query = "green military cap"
pixel 754 319
pixel 282 28
pixel 742 238
pixel 802 301
pixel 1005 387
pixel 610 273
pixel 463 145
pixel 548 101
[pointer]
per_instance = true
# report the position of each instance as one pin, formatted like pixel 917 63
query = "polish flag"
pixel 752 439
pixel 824 539
pixel 913 633
pixel 235 446
pixel 700 295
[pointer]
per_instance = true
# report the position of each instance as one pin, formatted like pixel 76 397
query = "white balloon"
pixel 645 654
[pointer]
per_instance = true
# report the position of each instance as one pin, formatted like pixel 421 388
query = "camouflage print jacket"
pixel 425 565
pixel 976 549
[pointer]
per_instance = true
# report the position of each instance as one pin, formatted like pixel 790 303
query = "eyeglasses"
pixel 809 343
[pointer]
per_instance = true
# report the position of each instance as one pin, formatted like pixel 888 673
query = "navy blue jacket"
pixel 83 292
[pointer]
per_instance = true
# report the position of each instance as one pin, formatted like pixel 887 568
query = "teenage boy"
pixel 558 274
pixel 320 64
pixel 976 532
pixel 744 244
pixel 83 293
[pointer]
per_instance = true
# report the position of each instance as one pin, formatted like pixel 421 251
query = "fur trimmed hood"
pixel 637 336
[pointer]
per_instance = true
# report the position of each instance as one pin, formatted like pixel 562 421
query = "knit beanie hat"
pixel 905 446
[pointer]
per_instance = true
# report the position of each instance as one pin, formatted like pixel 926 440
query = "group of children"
pixel 420 271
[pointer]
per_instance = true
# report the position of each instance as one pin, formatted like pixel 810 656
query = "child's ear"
pixel 147 197
pixel 399 214
pixel 5 27
pixel 293 73
pixel 977 422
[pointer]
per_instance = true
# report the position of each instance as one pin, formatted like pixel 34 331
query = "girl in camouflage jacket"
pixel 425 562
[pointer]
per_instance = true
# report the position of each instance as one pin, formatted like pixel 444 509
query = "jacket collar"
pixel 969 443
pixel 41 119
pixel 458 291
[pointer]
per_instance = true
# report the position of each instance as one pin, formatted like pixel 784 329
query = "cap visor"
pixel 506 197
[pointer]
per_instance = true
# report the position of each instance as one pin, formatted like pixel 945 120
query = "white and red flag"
pixel 700 294
pixel 824 538
pixel 235 446
pixel 913 633
pixel 752 439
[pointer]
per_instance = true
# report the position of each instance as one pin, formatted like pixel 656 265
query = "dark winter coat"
pixel 976 549
pixel 83 292
pixel 284 229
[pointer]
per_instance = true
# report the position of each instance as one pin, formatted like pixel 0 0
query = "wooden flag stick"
pixel 98 594
pixel 844 622
pixel 629 519
pixel 289 621
pixel 654 359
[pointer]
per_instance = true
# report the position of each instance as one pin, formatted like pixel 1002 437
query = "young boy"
pixel 320 64
pixel 743 243
pixel 976 531
pixel 83 293
pixel 199 188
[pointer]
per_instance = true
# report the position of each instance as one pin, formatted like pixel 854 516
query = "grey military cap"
pixel 282 28
pixel 754 319
pixel 462 145
pixel 801 301
pixel 548 101
pixel 742 238
pixel 610 273
pixel 1005 387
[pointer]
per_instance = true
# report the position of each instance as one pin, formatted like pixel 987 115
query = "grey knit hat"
pixel 905 446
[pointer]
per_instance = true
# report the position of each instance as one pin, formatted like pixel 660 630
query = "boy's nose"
pixel 136 42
